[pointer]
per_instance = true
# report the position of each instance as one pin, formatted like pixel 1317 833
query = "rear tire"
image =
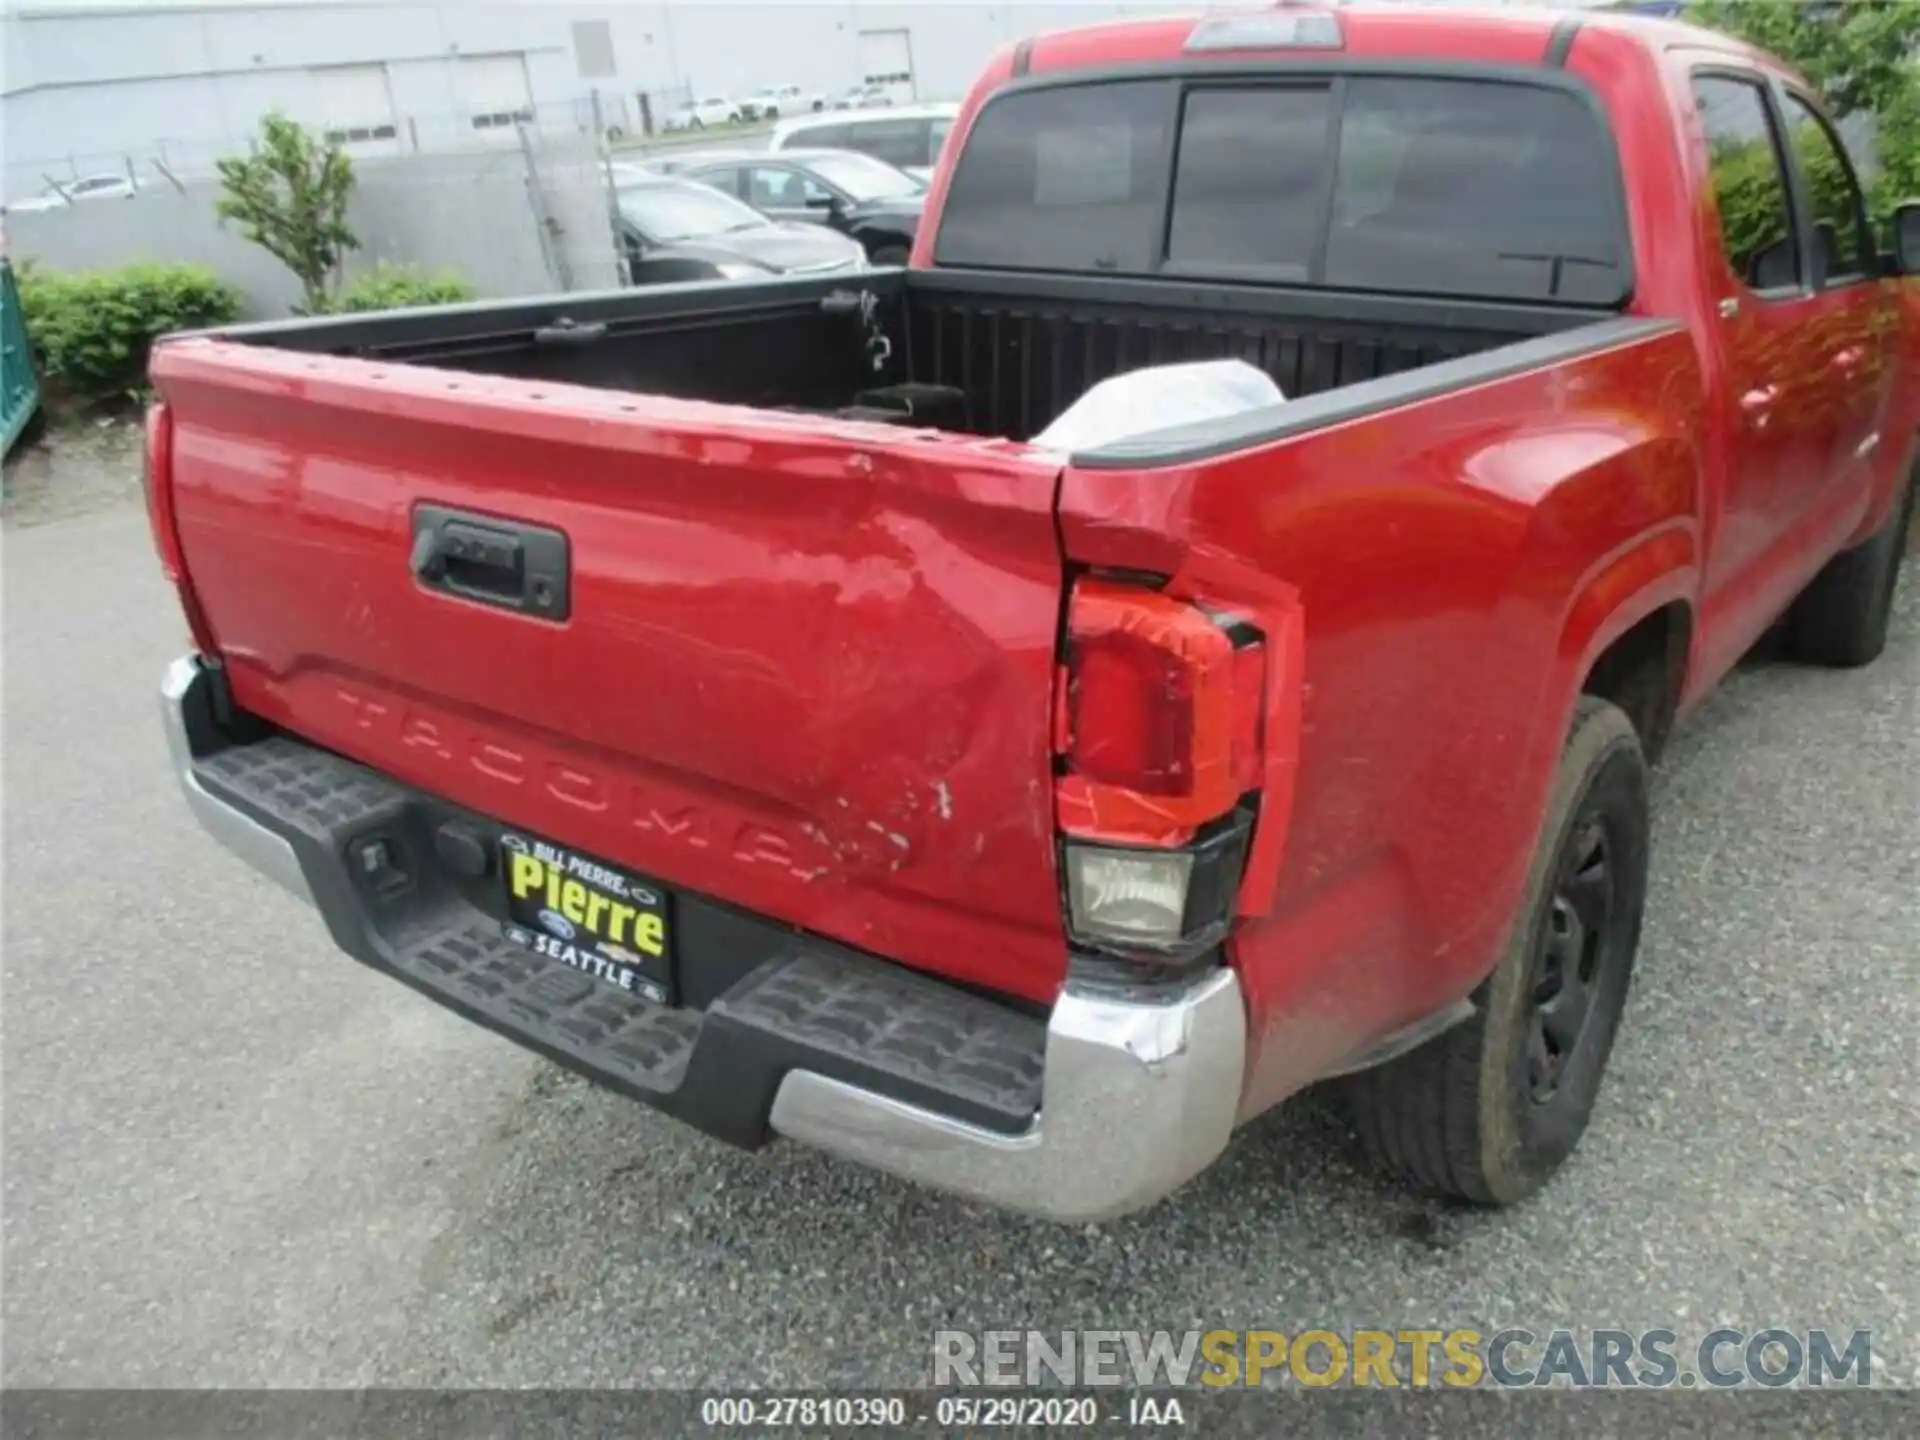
pixel 1841 618
pixel 1488 1111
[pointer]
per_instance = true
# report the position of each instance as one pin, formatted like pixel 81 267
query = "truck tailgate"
pixel 805 668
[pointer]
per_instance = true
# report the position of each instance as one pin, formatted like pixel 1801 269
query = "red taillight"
pixel 1176 724
pixel 1160 720
pixel 166 535
pixel 1130 715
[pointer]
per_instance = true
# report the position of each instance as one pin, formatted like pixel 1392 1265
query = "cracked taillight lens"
pixel 1158 733
pixel 1159 722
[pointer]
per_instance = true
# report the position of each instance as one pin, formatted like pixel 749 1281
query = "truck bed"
pixel 1017 349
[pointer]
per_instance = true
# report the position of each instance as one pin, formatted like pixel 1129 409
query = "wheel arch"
pixel 1629 634
pixel 1644 672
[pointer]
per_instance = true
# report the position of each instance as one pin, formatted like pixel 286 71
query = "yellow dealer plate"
pixel 586 914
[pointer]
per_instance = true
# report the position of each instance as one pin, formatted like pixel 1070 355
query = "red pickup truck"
pixel 712 689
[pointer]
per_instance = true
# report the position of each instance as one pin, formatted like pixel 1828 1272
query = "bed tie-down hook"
pixel 879 347
pixel 840 302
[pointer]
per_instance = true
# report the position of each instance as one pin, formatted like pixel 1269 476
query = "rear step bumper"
pixel 1103 1108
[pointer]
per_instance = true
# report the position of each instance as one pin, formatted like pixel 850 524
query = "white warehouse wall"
pixel 734 48
pixel 88 85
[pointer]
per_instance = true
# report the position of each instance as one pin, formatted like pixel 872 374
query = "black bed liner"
pixel 1021 347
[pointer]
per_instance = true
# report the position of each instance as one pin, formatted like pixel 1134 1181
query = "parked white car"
pixel 699 114
pixel 908 137
pixel 863 97
pixel 781 100
pixel 72 192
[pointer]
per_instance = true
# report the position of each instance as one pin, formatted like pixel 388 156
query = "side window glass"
pixel 1749 183
pixel 1842 239
pixel 771 187
pixel 898 142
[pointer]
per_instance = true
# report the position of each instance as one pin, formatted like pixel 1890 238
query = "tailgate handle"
pixel 492 561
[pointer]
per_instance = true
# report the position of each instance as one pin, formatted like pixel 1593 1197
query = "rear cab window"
pixel 1066 178
pixel 1251 180
pixel 1469 186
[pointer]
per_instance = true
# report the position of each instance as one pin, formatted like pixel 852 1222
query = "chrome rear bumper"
pixel 271 854
pixel 1138 1098
pixel 1137 1094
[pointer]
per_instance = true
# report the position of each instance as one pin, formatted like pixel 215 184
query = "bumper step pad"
pixel 647 1045
pixel 812 1006
pixel 916 1033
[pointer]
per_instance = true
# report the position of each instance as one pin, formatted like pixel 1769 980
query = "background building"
pixel 90 86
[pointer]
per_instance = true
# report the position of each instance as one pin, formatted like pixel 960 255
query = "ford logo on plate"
pixel 557 924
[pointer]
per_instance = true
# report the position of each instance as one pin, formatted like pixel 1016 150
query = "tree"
pixel 290 196
pixel 1860 54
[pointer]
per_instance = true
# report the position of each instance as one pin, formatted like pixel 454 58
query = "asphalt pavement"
pixel 233 1157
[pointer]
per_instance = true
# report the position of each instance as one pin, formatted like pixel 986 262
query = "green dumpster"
pixel 19 381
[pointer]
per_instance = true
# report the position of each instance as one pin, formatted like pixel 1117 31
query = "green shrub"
pixel 93 329
pixel 395 287
pixel 1862 57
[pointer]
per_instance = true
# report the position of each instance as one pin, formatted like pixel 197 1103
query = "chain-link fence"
pixel 33 169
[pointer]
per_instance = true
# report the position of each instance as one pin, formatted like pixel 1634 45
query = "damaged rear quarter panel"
pixel 1437 552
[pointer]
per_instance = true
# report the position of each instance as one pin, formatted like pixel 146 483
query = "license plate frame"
pixel 594 917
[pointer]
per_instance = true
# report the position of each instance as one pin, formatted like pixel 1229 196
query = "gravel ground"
pixel 235 1158
pixel 76 470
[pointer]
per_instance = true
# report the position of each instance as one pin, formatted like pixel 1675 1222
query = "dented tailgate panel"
pixel 806 666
